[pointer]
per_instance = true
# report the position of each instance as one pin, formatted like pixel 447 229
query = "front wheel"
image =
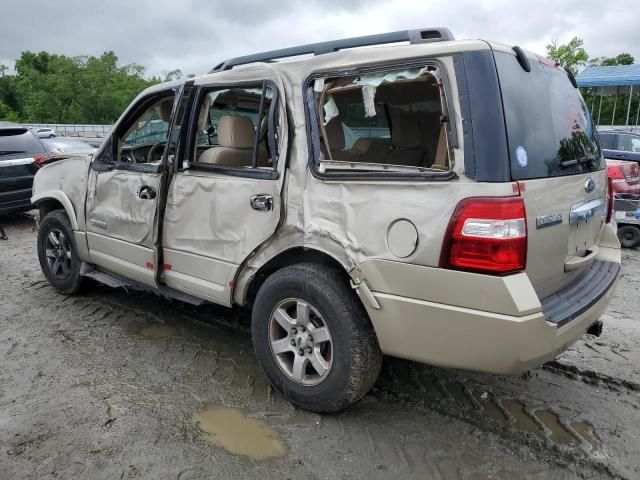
pixel 629 236
pixel 58 253
pixel 314 339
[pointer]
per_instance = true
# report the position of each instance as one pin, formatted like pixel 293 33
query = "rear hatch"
pixel 557 161
pixel 19 150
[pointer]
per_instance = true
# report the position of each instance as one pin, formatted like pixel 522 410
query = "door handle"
pixel 262 202
pixel 145 192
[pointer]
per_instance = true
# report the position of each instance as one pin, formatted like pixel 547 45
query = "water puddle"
pixel 523 421
pixel 587 432
pixel 559 434
pixel 158 331
pixel 230 429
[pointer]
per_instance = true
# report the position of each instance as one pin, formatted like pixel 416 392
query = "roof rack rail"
pixel 439 34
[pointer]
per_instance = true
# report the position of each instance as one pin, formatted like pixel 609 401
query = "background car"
pixel 69 146
pixel 45 132
pixel 620 145
pixel 625 177
pixel 21 155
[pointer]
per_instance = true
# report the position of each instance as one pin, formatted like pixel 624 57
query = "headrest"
pixel 235 131
pixel 165 109
pixel 335 133
pixel 405 132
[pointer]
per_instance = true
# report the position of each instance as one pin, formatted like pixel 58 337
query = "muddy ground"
pixel 115 384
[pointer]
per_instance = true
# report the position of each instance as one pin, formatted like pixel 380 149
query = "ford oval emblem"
pixel 589 185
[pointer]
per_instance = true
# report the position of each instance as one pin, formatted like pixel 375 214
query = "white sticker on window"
pixel 521 156
pixel 330 109
pixel 318 85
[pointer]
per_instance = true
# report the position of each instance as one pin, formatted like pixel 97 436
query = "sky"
pixel 163 35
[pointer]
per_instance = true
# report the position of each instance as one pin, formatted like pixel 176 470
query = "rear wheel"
pixel 629 236
pixel 313 338
pixel 58 253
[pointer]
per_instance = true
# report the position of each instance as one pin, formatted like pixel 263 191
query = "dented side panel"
pixel 64 179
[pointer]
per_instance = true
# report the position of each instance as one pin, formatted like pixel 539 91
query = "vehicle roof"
pixel 298 68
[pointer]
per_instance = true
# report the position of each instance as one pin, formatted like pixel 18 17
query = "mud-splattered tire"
pixel 311 299
pixel 629 236
pixel 58 253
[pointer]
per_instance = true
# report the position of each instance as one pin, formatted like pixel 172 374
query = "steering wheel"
pixel 153 149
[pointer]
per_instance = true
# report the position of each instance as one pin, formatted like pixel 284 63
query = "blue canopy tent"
pixel 612 81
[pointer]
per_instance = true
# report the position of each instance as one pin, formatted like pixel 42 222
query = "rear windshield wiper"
pixel 587 159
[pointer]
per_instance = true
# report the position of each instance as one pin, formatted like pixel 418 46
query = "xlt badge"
pixel 548 220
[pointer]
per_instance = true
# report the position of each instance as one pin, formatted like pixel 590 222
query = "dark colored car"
pixel 21 155
pixel 620 145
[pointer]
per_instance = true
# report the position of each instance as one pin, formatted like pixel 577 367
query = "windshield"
pixel 549 129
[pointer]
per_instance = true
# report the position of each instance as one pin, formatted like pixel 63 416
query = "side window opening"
pixel 382 121
pixel 145 137
pixel 237 128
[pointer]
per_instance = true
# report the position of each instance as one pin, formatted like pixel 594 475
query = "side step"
pixel 114 280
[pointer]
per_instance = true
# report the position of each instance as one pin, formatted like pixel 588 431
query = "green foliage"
pixel 621 59
pixel 49 88
pixel 570 56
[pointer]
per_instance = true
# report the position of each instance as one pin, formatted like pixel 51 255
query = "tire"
pixel 52 136
pixel 58 253
pixel 352 353
pixel 629 236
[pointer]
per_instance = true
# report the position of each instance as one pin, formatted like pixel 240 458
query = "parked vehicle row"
pixel 622 151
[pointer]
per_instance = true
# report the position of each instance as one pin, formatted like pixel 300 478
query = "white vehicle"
pixel 45 132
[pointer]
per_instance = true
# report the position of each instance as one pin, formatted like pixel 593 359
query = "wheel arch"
pixel 54 200
pixel 291 256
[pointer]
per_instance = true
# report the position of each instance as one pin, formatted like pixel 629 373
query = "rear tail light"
pixel 615 173
pixel 487 235
pixel 609 199
pixel 41 160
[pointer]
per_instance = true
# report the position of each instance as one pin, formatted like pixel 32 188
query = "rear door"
pixel 556 158
pixel 224 200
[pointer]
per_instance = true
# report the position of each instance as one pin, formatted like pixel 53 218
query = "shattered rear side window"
pixel 391 120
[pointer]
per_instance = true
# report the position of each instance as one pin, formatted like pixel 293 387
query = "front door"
pixel 125 190
pixel 224 199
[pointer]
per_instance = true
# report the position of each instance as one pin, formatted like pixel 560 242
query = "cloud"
pixel 194 36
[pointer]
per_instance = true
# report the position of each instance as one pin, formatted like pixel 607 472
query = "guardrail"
pixel 67 130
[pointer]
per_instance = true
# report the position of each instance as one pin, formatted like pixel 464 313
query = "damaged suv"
pixel 437 200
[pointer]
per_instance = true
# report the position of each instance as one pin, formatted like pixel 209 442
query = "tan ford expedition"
pixel 437 200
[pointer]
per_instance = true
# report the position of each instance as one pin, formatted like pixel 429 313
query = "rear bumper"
pixel 15 201
pixel 458 337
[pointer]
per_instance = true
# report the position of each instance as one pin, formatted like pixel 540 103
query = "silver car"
pixel 45 132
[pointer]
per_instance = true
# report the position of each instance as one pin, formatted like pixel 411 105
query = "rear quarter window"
pixel 549 129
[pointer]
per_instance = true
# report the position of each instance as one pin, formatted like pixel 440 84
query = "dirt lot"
pixel 115 384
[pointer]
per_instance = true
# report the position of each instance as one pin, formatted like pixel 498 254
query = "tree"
pixel 173 75
pixel 621 59
pixel 570 56
pixel 50 88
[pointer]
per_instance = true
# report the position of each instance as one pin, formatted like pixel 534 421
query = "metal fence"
pixel 65 130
